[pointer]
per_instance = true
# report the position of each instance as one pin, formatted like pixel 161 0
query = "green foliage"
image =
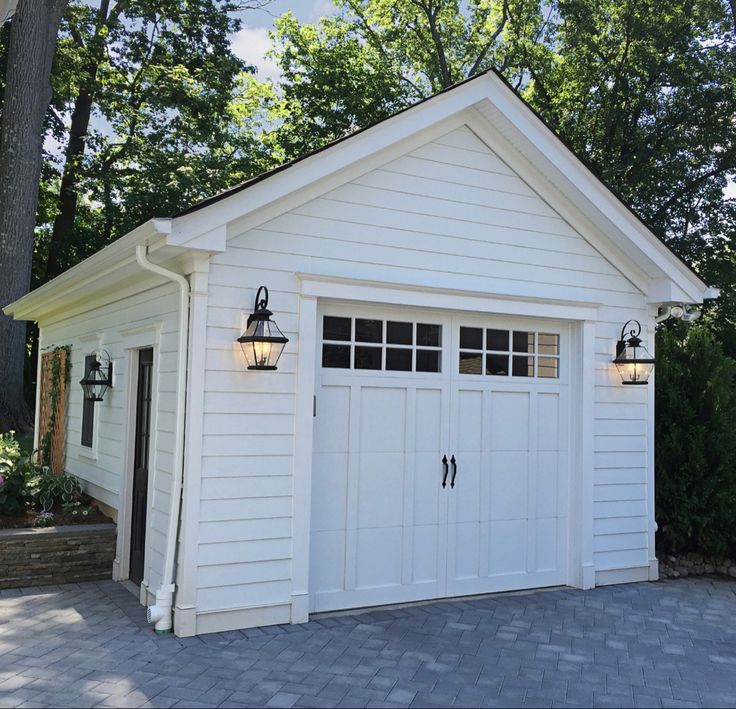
pixel 12 475
pixel 60 372
pixel 54 491
pixel 696 443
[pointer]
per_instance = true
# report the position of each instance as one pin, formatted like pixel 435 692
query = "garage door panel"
pixel 380 489
pixel 332 435
pixel 548 430
pixel 378 557
pixel 546 544
pixel 469 418
pixel 424 562
pixel 327 561
pixel 547 482
pixel 329 486
pixel 507 546
pixel 467 550
pixel 382 419
pixel 428 420
pixel 508 489
pixel 468 502
pixel 425 488
pixel 509 424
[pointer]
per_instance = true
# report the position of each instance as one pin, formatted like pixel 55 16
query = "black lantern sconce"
pixel 262 342
pixel 97 379
pixel 633 360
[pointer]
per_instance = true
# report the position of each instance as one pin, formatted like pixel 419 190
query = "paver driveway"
pixel 650 644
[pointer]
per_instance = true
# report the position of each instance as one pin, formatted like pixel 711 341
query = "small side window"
pixel 88 409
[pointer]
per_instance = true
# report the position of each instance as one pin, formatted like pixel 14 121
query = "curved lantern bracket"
pixel 98 378
pixel 633 360
pixel 262 342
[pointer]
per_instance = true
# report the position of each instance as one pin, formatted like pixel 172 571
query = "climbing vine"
pixel 60 372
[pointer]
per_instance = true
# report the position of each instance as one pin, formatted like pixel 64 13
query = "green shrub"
pixel 695 451
pixel 13 476
pixel 53 490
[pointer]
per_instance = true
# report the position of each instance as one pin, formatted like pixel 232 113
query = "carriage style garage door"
pixel 440 456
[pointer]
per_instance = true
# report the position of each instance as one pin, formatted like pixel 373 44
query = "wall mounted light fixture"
pixel 97 378
pixel 633 360
pixel 262 342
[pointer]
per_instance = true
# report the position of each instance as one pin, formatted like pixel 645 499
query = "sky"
pixel 252 42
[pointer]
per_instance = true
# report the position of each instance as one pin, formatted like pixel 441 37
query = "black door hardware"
pixel 454 471
pixel 444 477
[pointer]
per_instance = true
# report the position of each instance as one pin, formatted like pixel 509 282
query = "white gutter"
pixel 161 613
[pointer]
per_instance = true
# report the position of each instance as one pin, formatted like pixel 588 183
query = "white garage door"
pixel 399 392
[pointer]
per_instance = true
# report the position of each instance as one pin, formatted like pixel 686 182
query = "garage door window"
pixel 503 353
pixel 388 345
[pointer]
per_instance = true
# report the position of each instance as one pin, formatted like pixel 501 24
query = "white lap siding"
pixel 107 327
pixel 449 215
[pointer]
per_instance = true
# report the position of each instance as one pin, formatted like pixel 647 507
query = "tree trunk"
pixel 67 203
pixel 27 94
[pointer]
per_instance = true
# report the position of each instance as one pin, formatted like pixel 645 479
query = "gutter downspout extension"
pixel 162 612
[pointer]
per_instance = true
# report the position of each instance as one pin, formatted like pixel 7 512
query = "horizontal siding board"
pixel 624 559
pixel 620 525
pixel 244 508
pixel 225 531
pixel 244 551
pixel 236 574
pixel 621 542
pixel 621 492
pixel 243 487
pixel 246 595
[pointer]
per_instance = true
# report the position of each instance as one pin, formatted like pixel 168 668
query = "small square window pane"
pixel 368 330
pixel 497 340
pixel 497 364
pixel 428 361
pixel 548 344
pixel 471 338
pixel 471 363
pixel 336 356
pixel 548 367
pixel 523 342
pixel 522 366
pixel 398 360
pixel 429 335
pixel 367 357
pixel 399 333
pixel 335 328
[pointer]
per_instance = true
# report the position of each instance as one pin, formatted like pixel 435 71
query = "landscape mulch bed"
pixel 26 519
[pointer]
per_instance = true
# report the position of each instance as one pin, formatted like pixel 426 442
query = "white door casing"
pixel 383 529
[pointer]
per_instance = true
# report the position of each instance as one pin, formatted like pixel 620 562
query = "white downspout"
pixel 161 612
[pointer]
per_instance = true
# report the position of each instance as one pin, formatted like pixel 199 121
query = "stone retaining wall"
pixel 693 564
pixel 39 557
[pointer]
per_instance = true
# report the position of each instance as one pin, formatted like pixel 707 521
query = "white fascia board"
pixel 573 175
pixel 98 266
pixel 332 160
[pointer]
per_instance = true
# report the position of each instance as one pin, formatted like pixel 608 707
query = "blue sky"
pixel 252 42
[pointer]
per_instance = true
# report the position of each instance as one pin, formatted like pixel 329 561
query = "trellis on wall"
pixel 55 369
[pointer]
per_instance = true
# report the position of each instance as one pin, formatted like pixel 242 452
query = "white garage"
pixel 422 402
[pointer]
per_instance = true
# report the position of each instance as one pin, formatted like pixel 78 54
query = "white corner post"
pixel 651 489
pixel 185 608
pixel 586 448
pixel 161 613
pixel 302 487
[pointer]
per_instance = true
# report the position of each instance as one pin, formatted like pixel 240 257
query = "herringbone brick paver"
pixel 669 644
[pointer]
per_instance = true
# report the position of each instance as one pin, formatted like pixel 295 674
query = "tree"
pixel 26 98
pixel 154 97
pixel 375 57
